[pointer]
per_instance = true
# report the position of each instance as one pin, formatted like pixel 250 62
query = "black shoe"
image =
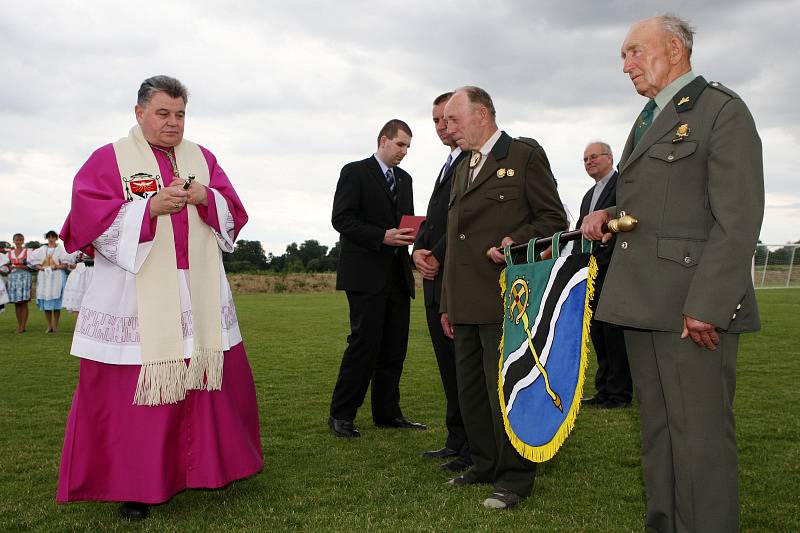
pixel 134 510
pixel 594 400
pixel 401 422
pixel 441 453
pixel 342 428
pixel 614 404
pixel 458 464
pixel 463 480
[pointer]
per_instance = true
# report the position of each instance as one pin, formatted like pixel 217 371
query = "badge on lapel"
pixel 475 159
pixel 501 173
pixel 682 132
pixel 510 173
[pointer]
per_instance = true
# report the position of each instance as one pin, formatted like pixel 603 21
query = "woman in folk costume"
pixel 77 282
pixel 52 261
pixel 18 283
pixel 165 399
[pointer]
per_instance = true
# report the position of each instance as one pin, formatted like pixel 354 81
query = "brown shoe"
pixel 502 499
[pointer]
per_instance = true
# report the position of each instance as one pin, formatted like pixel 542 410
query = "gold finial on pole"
pixel 625 222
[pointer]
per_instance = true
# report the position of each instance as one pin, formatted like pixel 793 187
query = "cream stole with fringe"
pixel 164 376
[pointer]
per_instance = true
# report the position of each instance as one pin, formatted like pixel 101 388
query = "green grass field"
pixel 313 482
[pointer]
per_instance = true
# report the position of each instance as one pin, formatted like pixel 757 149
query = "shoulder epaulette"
pixel 528 141
pixel 718 86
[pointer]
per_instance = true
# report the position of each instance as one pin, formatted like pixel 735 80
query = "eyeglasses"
pixel 593 157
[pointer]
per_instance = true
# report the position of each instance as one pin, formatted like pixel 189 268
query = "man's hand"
pixel 197 194
pixel 398 237
pixel 702 333
pixel 446 326
pixel 169 199
pixel 592 226
pixel 496 254
pixel 426 263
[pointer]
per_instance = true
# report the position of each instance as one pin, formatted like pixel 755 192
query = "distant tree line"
pixel 247 256
pixel 310 256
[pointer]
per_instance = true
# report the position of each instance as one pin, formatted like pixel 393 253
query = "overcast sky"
pixel 286 93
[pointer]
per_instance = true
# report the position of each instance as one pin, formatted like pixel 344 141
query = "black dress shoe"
pixel 458 464
pixel 594 400
pixel 134 510
pixel 441 453
pixel 342 428
pixel 614 404
pixel 401 422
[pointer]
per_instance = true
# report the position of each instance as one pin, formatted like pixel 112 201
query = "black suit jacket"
pixel 363 209
pixel 433 232
pixel 608 198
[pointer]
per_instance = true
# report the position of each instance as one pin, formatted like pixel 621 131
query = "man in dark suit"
pixel 375 271
pixel 428 256
pixel 613 378
pixel 504 192
pixel 680 283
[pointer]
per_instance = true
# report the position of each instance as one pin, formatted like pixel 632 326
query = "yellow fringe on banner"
pixel 540 454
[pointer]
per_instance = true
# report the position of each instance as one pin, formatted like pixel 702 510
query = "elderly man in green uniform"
pixel 691 171
pixel 504 192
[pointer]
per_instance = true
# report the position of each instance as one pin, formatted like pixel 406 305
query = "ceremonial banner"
pixel 543 352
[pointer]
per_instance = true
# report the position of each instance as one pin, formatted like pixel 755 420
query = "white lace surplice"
pixel 107 329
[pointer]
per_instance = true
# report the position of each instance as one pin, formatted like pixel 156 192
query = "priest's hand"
pixel 702 333
pixel 168 200
pixel 198 194
pixel 592 226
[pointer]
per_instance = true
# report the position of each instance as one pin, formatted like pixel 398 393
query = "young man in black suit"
pixel 375 272
pixel 613 379
pixel 428 256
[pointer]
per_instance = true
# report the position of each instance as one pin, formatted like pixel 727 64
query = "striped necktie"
pixel 391 181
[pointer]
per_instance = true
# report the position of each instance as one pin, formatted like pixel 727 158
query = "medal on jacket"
pixel 682 132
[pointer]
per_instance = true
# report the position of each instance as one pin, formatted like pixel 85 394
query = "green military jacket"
pixel 514 195
pixel 695 182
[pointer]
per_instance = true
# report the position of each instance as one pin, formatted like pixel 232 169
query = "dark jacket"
pixel 514 195
pixel 363 209
pixel 432 234
pixel 608 198
pixel 695 182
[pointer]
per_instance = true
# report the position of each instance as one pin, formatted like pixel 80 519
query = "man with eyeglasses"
pixel 613 378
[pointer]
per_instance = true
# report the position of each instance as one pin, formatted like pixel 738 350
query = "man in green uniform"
pixel 680 283
pixel 504 192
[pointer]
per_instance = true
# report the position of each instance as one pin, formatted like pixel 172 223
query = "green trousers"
pixel 689 456
pixel 494 458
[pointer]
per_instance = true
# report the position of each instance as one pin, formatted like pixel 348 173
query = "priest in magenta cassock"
pixel 165 399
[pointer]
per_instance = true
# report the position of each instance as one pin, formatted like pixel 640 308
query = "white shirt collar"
pixel 384 166
pixel 489 144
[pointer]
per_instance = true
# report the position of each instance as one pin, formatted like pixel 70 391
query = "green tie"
pixel 644 121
